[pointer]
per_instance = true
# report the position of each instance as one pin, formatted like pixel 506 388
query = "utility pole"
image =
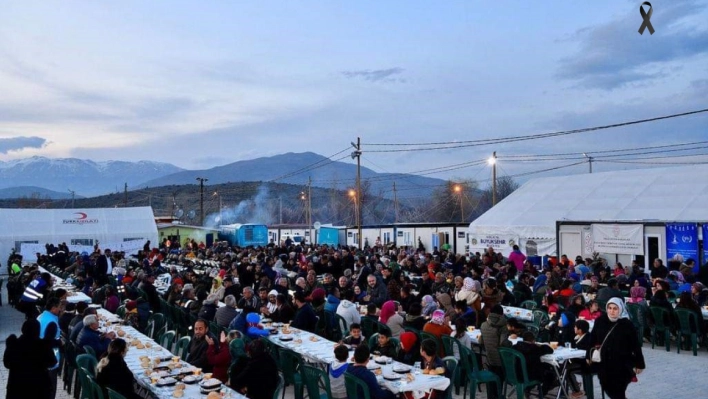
pixel 73 196
pixel 493 162
pixel 395 204
pixel 309 208
pixel 357 154
pixel 125 195
pixel 280 210
pixel 589 160
pixel 201 199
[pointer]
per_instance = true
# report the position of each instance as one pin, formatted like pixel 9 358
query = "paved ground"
pixel 668 376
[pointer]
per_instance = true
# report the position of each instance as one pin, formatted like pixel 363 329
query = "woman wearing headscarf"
pixel 389 316
pixel 259 379
pixel 620 350
pixel 540 282
pixel 470 294
pixel 409 352
pixel 112 371
pixel 239 359
pixel 438 327
pixel 429 305
pixel 445 303
pixel 28 358
pixel 218 288
pixel 699 293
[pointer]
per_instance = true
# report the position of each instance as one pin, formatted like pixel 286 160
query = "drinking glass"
pixel 416 368
pixel 567 345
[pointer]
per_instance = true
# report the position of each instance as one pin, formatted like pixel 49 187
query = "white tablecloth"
pixel 322 351
pixel 75 295
pixel 518 313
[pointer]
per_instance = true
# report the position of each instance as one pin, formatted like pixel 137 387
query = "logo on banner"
pixel 616 231
pixel 82 218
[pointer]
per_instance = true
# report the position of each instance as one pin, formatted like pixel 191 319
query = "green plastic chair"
pixel 511 360
pixel 89 351
pixel 635 314
pixel 475 374
pixel 450 371
pixel 449 343
pixel 96 390
pixel 121 311
pixel 280 388
pixel 182 347
pixel 686 319
pixel 158 320
pixel 661 326
pixel 528 304
pixel 85 380
pixel 290 363
pixel 343 327
pixel 166 340
pixel 382 327
pixel 368 326
pixel 272 348
pixel 354 386
pixel 538 298
pixel 69 366
pixel 87 362
pixel 314 378
pixel 425 335
pixel 114 395
pixel 518 298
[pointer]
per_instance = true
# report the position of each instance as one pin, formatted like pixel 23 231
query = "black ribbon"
pixel 646 17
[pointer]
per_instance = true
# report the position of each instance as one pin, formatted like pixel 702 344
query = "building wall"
pixel 184 233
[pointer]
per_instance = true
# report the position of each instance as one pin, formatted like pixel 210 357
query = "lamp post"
pixel 458 189
pixel 221 218
pixel 493 161
pixel 589 160
pixel 357 154
pixel 201 181
pixel 353 196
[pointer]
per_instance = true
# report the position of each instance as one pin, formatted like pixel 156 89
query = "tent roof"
pixel 655 194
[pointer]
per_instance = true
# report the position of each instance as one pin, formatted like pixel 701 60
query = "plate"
pixel 391 377
pixel 191 379
pixel 210 383
pixel 401 370
pixel 163 382
pixel 373 366
pixel 285 338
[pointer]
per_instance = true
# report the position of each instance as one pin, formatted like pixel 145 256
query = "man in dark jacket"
pixel 153 297
pixel 90 336
pixel 259 378
pixel 305 317
pixel 198 346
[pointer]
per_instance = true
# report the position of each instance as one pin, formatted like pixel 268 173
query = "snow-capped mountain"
pixel 85 177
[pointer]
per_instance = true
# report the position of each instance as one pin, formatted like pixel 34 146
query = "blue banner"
pixel 682 238
pixel 705 246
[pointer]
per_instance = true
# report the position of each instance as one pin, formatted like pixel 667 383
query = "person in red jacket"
pixel 219 356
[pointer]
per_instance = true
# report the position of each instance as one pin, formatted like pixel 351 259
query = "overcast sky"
pixel 204 83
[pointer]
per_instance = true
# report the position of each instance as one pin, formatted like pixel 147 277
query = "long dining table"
pixel 74 294
pixel 145 385
pixel 316 349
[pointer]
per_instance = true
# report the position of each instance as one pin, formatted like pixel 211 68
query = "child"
pixel 384 347
pixel 354 338
pixel 336 372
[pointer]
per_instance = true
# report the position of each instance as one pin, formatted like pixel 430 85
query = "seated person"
pixel 384 346
pixel 359 370
pixel 371 312
pixel 355 338
pixel 536 369
pixel 466 313
pixel 90 336
pixel 409 352
pixel 582 341
pixel 336 372
pixel 431 364
pixel 515 327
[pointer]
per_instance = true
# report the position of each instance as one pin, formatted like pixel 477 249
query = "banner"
pixel 682 238
pixel 500 243
pixel 621 239
pixel 705 245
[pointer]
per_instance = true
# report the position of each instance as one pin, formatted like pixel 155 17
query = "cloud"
pixel 20 142
pixel 377 75
pixel 613 55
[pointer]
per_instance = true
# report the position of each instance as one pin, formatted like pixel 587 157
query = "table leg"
pixel 561 379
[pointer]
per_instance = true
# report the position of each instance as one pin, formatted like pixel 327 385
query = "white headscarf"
pixel 468 284
pixel 623 309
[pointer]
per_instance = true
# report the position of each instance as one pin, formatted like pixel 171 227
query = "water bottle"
pixel 416 368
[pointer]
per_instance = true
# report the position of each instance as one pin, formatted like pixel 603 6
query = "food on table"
pixel 178 393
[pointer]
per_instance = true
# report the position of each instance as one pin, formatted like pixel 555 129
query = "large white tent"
pixel 529 215
pixel 76 227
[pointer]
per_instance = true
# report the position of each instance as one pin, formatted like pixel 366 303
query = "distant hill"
pixel 34 192
pixel 324 173
pixel 85 177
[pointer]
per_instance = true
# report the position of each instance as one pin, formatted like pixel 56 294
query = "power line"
pixel 483 142
pixel 594 153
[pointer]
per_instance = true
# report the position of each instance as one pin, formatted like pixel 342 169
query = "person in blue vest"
pixel 50 332
pixel 35 294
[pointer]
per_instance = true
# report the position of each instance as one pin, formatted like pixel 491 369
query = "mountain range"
pixel 89 178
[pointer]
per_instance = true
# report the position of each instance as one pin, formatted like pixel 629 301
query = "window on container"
pixel 82 241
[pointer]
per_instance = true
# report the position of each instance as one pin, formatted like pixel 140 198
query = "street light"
pixel 352 195
pixel 493 162
pixel 458 189
pixel 221 218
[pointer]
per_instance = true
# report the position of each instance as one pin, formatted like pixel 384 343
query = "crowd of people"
pixel 402 289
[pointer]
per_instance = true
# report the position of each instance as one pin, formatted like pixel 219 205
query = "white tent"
pixel 528 216
pixel 76 227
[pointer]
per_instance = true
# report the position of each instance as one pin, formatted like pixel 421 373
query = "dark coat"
pixel 305 319
pixel 620 353
pixel 260 377
pixel 29 361
pixel 198 353
pixel 117 376
pixel 93 338
pixel 532 353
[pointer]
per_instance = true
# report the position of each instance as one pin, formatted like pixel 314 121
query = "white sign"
pixel 500 243
pixel 622 239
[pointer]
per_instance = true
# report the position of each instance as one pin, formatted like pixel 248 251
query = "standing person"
pixel 494 333
pixel 104 267
pixel 518 258
pixel 35 293
pixel 620 350
pixel 112 371
pixel 28 358
pixel 49 331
